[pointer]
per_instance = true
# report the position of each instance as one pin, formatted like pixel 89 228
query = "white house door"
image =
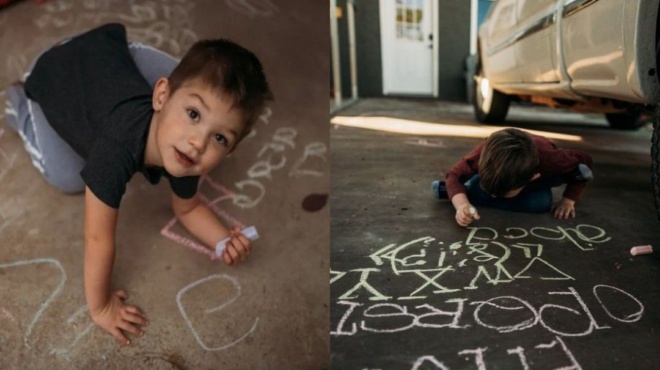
pixel 407 33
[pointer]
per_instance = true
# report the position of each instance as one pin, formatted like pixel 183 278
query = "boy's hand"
pixel 237 248
pixel 564 209
pixel 117 316
pixel 466 213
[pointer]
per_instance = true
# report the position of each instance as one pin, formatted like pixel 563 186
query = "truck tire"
pixel 625 121
pixel 655 160
pixel 490 105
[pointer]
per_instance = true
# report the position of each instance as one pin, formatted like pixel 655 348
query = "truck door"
pixel 497 51
pixel 535 41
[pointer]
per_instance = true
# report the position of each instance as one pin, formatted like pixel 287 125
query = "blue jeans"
pixel 536 196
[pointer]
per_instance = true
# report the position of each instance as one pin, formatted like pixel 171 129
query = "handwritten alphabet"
pixel 435 279
pixel 479 356
pixel 184 314
pixel 80 316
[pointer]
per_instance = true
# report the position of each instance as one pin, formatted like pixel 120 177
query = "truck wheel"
pixel 655 159
pixel 626 121
pixel 490 106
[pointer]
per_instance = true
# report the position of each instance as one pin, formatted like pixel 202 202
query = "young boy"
pixel 514 170
pixel 90 121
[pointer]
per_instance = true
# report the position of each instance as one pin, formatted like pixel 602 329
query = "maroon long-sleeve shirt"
pixel 554 162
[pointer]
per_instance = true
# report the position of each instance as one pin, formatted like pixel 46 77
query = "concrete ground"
pixel 410 289
pixel 267 313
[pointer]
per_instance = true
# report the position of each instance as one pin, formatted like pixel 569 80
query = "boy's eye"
pixel 193 115
pixel 220 139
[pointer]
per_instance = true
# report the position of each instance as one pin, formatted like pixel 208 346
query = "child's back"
pixel 96 99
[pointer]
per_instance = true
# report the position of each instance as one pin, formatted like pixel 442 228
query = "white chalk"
pixel 472 211
pixel 249 232
pixel 642 249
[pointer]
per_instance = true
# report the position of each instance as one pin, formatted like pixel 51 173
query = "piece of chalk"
pixel 473 211
pixel 642 249
pixel 249 232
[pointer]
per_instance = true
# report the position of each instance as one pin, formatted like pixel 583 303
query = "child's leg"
pixel 536 198
pixel 152 63
pixel 51 155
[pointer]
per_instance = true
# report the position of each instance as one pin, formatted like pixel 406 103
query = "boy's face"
pixel 197 127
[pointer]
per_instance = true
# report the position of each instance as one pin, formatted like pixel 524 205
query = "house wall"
pixel 454 47
pixel 342 25
pixel 454 42
pixel 368 48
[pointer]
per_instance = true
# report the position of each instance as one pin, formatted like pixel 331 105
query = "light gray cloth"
pixel 51 155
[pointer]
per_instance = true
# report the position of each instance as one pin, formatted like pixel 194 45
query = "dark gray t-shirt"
pixel 95 98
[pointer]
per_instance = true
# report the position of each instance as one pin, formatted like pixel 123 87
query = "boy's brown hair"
pixel 229 69
pixel 508 161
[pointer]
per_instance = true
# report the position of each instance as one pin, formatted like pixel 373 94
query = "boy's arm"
pixel 461 171
pixel 565 162
pixel 465 212
pixel 564 209
pixel 197 218
pixel 575 181
pixel 105 307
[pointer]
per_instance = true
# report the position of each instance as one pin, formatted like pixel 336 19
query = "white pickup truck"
pixel 586 55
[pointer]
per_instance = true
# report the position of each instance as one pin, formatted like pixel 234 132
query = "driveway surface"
pixel 410 289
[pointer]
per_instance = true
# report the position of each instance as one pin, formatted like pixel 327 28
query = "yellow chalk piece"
pixel 340 13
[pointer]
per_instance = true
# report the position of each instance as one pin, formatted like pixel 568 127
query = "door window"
pixel 409 15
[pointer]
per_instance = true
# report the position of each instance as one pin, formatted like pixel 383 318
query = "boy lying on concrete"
pixel 95 110
pixel 514 170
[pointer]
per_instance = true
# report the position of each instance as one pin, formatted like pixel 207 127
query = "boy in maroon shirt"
pixel 515 170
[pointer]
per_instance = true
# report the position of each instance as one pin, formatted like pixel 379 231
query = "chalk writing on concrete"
pixel 223 306
pixel 304 166
pixel 427 143
pixel 165 24
pixel 65 351
pixel 49 300
pixel 480 355
pixel 422 284
pixel 253 8
pixel 58 14
pixel 271 158
pixel 44 307
pixel 80 314
pixel 7 217
pixel 482 259
pixel 7 315
pixel 16 65
pixel 6 159
pixel 491 314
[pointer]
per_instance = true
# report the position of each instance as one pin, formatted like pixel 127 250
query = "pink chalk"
pixel 222 194
pixel 642 249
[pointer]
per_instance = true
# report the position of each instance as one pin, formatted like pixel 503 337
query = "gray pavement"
pixel 410 289
pixel 268 313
